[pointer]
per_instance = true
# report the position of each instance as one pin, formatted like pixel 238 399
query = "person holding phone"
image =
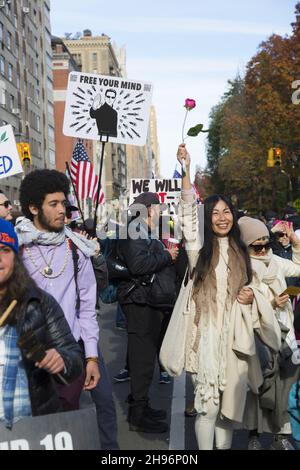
pixel 282 246
pixel 269 413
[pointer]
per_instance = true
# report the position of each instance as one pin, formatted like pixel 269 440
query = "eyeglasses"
pixel 259 248
pixel 6 204
pixel 281 234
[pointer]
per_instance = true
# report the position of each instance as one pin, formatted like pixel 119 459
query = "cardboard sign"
pixel 76 430
pixel 10 163
pixel 168 190
pixel 107 108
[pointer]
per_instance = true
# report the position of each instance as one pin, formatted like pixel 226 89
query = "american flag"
pixel 83 175
pixel 176 174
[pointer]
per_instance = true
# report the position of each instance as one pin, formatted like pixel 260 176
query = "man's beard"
pixel 45 224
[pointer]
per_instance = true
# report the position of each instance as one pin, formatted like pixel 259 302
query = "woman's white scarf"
pixel 267 272
pixel 28 233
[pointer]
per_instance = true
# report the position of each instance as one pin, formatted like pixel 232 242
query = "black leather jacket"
pixel 43 315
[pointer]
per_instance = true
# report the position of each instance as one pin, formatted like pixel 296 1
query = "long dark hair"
pixel 17 288
pixel 206 252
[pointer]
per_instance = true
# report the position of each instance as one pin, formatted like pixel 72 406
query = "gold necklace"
pixel 48 271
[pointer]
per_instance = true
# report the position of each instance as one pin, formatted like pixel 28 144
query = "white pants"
pixel 209 425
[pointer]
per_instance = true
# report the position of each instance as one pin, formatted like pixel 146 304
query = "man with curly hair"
pixel 59 261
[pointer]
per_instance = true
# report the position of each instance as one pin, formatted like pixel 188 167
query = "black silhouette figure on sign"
pixel 106 116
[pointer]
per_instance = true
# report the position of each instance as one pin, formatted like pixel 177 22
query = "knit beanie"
pixel 252 230
pixel 8 235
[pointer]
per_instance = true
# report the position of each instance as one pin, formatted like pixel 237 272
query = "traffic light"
pixel 274 157
pixel 270 162
pixel 277 156
pixel 24 152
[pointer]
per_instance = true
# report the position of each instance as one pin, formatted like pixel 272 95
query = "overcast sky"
pixel 187 49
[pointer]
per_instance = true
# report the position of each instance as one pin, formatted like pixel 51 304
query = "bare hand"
pixel 52 362
pixel 183 155
pixel 291 234
pixel 281 301
pixel 97 102
pixel 174 251
pixel 280 227
pixel 95 240
pixel 245 296
pixel 92 375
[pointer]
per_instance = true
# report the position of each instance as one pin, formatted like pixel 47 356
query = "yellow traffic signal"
pixel 277 156
pixel 24 152
pixel 270 162
pixel 274 157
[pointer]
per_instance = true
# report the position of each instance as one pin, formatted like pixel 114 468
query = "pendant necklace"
pixel 48 271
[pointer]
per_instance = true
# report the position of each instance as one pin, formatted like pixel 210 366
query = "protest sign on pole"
pixel 168 190
pixel 100 107
pixel 10 163
pixel 76 430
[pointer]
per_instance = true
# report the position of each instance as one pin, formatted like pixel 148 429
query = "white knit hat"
pixel 252 230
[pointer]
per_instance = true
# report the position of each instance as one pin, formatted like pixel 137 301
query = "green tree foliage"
pixel 254 114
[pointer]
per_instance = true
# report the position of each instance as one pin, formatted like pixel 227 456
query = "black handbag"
pixel 162 289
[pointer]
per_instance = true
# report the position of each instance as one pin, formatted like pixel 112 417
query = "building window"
pixel 2 97
pixel 11 102
pixel 50 109
pixel 38 123
pixel 1 32
pixel 8 9
pixel 52 157
pixel 49 84
pixel 51 133
pixel 2 65
pixel 10 72
pixel 8 40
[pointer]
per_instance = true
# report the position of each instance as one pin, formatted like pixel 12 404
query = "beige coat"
pixel 242 364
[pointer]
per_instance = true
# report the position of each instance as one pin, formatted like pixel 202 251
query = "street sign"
pixel 10 163
pixel 113 109
pixel 296 204
pixel 76 430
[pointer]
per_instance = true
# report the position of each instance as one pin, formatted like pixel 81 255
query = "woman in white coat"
pixel 221 271
pixel 269 412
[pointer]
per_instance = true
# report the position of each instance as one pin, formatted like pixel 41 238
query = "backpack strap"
pixel 75 258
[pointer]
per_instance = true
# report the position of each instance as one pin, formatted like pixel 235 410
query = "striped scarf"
pixel 15 393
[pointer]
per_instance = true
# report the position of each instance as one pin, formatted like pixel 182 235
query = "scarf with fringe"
pixel 207 355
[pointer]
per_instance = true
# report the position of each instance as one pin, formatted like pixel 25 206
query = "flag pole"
pixel 99 183
pixel 75 192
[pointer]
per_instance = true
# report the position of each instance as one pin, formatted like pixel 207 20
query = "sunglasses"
pixel 6 204
pixel 259 248
pixel 280 234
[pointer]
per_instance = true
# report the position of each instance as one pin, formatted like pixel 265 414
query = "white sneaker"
pixel 254 444
pixel 281 443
